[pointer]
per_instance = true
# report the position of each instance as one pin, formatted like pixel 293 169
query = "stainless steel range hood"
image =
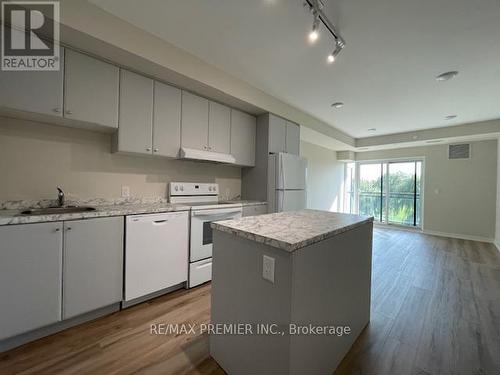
pixel 194 154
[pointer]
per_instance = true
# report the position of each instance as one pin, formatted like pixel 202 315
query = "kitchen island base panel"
pixel 327 283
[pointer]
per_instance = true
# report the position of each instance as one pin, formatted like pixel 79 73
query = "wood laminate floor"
pixel 435 310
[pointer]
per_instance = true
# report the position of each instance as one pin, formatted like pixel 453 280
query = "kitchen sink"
pixel 57 210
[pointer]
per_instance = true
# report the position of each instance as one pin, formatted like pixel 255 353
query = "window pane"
pixel 401 192
pixel 370 190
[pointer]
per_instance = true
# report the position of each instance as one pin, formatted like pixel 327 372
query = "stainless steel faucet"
pixel 60 197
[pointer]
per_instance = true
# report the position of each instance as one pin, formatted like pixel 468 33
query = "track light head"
pixel 332 56
pixel 314 34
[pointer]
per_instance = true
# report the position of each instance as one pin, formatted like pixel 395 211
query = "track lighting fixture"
pixel 316 8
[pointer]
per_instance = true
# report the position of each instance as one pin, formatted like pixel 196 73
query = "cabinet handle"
pixel 148 149
pixel 69 228
pixel 57 229
pixel 57 110
pixel 155 150
pixel 68 112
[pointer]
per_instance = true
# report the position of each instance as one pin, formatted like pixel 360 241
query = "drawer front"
pixel 200 272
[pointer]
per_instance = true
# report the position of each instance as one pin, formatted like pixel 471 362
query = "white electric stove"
pixel 203 198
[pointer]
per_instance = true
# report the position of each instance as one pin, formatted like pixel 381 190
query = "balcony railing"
pixel 401 207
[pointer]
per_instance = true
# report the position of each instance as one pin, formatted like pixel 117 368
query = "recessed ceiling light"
pixel 337 105
pixel 434 141
pixel 372 130
pixel 450 117
pixel 447 76
pixel 363 148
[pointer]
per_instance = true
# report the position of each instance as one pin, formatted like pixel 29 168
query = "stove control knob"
pixel 182 188
pixel 209 188
pixel 176 188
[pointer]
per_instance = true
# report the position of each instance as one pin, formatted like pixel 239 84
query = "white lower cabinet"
pixel 30 277
pixel 93 264
pixel 156 252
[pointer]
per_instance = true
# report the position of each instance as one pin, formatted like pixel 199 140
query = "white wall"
pixel 325 176
pixel 497 229
pixel 35 158
pixel 458 194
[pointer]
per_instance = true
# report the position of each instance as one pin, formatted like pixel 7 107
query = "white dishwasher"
pixel 156 252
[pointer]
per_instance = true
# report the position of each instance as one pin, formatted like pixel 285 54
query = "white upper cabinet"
pixel 93 264
pixel 30 277
pixel 135 131
pixel 277 134
pixel 166 120
pixel 219 128
pixel 292 138
pixel 243 132
pixel 90 90
pixel 194 127
pixel 38 92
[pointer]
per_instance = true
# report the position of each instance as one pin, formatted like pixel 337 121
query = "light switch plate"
pixel 125 191
pixel 268 268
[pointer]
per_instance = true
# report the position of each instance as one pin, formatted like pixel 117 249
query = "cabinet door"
pixel 38 92
pixel 135 128
pixel 277 134
pixel 90 90
pixel 219 128
pixel 30 277
pixel 93 264
pixel 292 138
pixel 194 129
pixel 243 130
pixel 166 120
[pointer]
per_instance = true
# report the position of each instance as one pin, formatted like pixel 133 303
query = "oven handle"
pixel 215 213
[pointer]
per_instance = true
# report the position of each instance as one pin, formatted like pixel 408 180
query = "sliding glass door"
pixel 391 191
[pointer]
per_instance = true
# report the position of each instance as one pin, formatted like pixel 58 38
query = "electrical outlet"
pixel 268 268
pixel 125 191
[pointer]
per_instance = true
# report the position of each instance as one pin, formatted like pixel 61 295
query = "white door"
pixel 291 172
pixel 135 131
pixel 30 277
pixel 201 231
pixel 290 200
pixel 243 134
pixel 219 128
pixel 194 127
pixel 277 134
pixel 38 92
pixel 91 90
pixel 166 120
pixel 93 264
pixel 156 252
pixel 292 138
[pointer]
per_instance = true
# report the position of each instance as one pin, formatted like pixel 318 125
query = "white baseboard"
pixel 497 244
pixel 460 236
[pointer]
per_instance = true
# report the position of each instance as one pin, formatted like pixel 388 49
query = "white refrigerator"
pixel 286 189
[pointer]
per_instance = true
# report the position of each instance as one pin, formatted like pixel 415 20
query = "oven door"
pixel 201 232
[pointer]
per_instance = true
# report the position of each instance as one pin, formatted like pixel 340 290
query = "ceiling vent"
pixel 459 151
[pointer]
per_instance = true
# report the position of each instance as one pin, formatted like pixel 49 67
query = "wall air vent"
pixel 459 151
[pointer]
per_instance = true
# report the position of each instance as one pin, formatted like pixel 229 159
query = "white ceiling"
pixel 385 75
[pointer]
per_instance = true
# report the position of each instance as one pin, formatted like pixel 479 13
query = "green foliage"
pixel 401 186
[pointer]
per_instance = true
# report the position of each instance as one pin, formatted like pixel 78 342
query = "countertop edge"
pixel 285 245
pixel 99 213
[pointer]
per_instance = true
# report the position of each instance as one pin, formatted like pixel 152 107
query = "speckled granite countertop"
pixel 10 210
pixel 12 216
pixel 293 230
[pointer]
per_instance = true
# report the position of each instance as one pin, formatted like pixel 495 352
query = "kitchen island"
pixel 290 291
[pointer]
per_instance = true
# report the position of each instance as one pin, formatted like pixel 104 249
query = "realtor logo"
pixel 30 35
